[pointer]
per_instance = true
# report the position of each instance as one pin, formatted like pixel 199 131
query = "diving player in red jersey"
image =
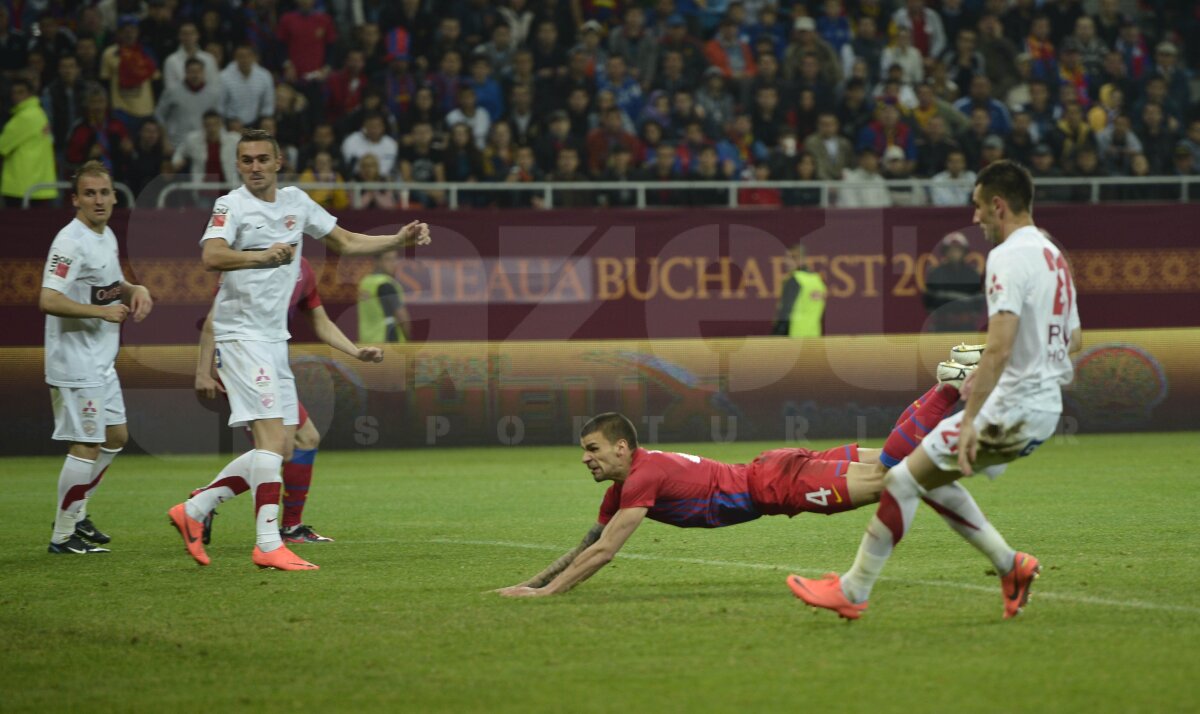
pixel 298 467
pixel 693 492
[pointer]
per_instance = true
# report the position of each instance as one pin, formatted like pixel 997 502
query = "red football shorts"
pixel 791 481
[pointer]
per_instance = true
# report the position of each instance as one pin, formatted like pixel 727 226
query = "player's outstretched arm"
pixel 559 565
pixel 137 297
pixel 218 255
pixel 328 332
pixel 1002 332
pixel 52 302
pixel 207 384
pixel 344 242
pixel 594 557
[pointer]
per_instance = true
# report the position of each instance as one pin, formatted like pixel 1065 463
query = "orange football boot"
pixel 192 531
pixel 826 593
pixel 1016 583
pixel 281 559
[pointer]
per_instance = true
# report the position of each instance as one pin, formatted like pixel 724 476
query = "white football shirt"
pixel 252 304
pixel 83 265
pixel 1028 276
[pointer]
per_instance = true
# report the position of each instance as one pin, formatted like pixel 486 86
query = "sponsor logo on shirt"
pixel 218 221
pixel 263 380
pixel 995 288
pixel 268 400
pixel 106 294
pixel 290 222
pixel 60 265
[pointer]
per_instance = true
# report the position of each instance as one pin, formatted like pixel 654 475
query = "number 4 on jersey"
pixel 819 497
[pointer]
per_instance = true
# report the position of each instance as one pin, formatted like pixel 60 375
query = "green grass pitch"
pixel 689 620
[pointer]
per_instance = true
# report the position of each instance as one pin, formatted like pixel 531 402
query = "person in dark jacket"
pixel 954 289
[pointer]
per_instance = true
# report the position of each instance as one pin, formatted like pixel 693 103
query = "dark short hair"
pixel 90 168
pixel 22 82
pixel 1008 180
pixel 613 427
pixel 258 135
pixel 191 61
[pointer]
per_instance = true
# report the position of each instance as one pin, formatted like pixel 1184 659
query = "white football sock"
pixel 893 514
pixel 233 480
pixel 73 483
pixel 267 483
pixel 962 514
pixel 98 470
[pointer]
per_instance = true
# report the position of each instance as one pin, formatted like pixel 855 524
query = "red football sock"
pixel 297 477
pixel 912 408
pixel 905 437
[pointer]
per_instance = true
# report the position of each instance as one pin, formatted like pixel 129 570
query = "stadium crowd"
pixel 412 91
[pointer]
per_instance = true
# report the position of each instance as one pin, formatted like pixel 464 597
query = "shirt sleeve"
pixel 311 299
pixel 63 264
pixel 641 488
pixel 1005 284
pixel 223 223
pixel 610 504
pixel 318 222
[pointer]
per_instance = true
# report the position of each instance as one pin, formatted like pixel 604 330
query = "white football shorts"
pixel 83 414
pixel 258 381
pixel 1003 437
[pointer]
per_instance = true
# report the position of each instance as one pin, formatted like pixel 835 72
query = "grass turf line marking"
pixel 1042 594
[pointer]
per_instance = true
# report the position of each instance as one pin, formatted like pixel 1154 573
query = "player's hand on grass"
pixel 415 233
pixel 140 303
pixel 968 446
pixel 370 354
pixel 278 254
pixel 114 313
pixel 208 387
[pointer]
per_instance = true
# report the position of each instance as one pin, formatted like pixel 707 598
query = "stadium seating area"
pixel 575 90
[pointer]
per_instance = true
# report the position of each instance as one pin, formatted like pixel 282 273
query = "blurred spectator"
pixel 956 16
pixel 762 195
pixel 801 308
pixel 676 39
pixel 183 106
pixel 449 38
pixel 98 136
pixel 217 36
pixel 965 60
pixel 833 26
pixel 477 19
pixel 854 111
pixel 424 111
pixel 953 186
pixel 1113 72
pixel 469 113
pixel 322 171
pixel 934 147
pixel 999 53
pixel 1074 133
pixel 1134 51
pixel 1111 104
pixel 292 119
pixel 1040 49
pixel 1019 93
pixel 1020 142
pixel 1117 144
pixel 375 50
pixel 1192 141
pixel 88 58
pixel 1091 49
pixel 865 187
pixel 418 26
pixel 557 137
pixel 866 46
pixel 1167 66
pixel 129 70
pixel 980 97
pixel 27 147
pixel 14 47
pixel 1042 111
pixel 1158 141
pixel 464 163
pixel 369 171
pixel 344 87
pixel 729 53
pixel 929 105
pixel 805 170
pixel 371 139
pixel 971 141
pixel 896 167
pixel 518 18
pixel 708 170
pixel 488 93
pixel 992 151
pixel 159 31
pixel 1109 20
pixel 580 115
pixel 1086 165
pixel 499 155
pixel 211 152
pixel 1042 166
pixel 619 168
pixel 1156 93
pixel 805 40
pixel 887 131
pixel 62 100
pixel 53 40
pixel 812 79
pixel 954 289
pixel 149 160
pixel 636 45
pixel 625 89
pixel 661 168
pixel 400 87
pixel 603 140
pixel 672 78
pixel 566 170
pixel 924 27
pixel 714 99
pixel 248 90
pixel 1139 168
pixel 306 33
pixel 1185 164
pixel 524 170
pixel 175 65
pixel 521 119
pixel 831 152
pixel 589 55
pixel 323 139
pixel 422 162
pixel 903 54
pixel 549 56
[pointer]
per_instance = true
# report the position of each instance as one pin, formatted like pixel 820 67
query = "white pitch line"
pixel 1041 594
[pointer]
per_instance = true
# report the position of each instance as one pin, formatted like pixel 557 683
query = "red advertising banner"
pixel 653 274
pixel 539 392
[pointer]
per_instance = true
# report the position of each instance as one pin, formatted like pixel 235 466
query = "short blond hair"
pixel 91 168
